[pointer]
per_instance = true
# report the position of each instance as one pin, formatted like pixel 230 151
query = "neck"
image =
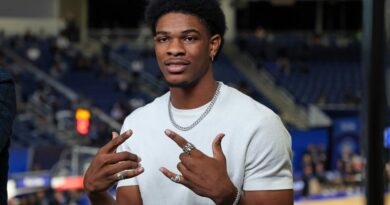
pixel 193 96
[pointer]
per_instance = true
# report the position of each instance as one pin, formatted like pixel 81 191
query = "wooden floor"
pixel 344 201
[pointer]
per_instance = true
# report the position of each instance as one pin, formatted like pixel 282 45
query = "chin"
pixel 181 84
pixel 178 83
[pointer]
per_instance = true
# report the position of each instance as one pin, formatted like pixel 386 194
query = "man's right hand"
pixel 103 171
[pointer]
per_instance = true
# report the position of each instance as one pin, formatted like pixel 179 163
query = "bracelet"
pixel 238 197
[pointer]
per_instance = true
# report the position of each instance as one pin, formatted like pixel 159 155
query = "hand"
pixel 206 176
pixel 102 172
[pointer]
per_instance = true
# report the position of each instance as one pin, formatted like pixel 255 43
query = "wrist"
pixel 101 197
pixel 92 191
pixel 228 197
pixel 95 193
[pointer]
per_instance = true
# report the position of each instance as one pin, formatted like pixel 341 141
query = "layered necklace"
pixel 201 117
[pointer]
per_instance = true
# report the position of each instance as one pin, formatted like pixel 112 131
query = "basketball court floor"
pixel 353 200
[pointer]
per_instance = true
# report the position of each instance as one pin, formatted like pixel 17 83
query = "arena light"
pixel 83 117
pixel 33 182
pixel 11 189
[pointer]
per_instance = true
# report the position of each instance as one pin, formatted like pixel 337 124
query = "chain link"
pixel 204 114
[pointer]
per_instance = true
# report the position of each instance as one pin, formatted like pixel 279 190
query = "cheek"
pixel 202 59
pixel 201 54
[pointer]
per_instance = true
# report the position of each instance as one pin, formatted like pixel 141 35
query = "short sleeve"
pixel 268 158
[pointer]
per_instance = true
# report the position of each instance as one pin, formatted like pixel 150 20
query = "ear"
pixel 215 44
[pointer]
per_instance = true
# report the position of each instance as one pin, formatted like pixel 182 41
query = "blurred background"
pixel 82 66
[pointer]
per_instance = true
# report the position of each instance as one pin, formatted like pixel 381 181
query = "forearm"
pixel 245 201
pixel 277 197
pixel 101 198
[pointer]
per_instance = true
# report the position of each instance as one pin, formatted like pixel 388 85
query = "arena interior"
pixel 82 66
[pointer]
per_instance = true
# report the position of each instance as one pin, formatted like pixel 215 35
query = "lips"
pixel 176 65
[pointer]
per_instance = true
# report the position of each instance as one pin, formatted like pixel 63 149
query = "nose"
pixel 175 48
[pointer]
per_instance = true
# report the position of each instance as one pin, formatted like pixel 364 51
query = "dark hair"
pixel 208 11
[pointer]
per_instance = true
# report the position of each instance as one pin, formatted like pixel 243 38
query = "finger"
pixel 114 135
pixel 114 143
pixel 127 174
pixel 176 138
pixel 119 167
pixel 170 175
pixel 181 142
pixel 187 174
pixel 189 160
pixel 217 148
pixel 186 159
pixel 121 157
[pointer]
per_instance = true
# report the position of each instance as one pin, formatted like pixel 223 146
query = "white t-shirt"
pixel 257 146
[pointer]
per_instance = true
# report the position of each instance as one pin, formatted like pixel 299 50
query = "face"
pixel 184 49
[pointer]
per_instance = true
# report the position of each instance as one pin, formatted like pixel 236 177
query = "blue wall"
pixel 18 160
pixel 301 140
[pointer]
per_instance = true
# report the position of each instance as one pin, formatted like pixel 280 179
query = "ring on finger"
pixel 176 178
pixel 119 176
pixel 188 148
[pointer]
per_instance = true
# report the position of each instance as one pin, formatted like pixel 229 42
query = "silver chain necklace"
pixel 204 114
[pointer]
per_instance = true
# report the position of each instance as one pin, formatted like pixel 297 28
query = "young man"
pixel 202 142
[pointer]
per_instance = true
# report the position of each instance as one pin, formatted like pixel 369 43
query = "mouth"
pixel 176 66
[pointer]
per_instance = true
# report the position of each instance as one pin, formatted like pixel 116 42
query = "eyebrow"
pixel 183 32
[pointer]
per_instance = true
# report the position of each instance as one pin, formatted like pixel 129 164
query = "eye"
pixel 162 39
pixel 189 39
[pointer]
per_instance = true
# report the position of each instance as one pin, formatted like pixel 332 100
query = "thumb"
pixel 114 135
pixel 217 149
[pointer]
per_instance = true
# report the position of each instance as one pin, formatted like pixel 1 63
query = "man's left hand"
pixel 204 175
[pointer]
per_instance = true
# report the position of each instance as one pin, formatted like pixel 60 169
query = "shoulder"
pixel 244 106
pixel 258 121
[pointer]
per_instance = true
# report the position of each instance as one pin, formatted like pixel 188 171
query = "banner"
pixel 346 135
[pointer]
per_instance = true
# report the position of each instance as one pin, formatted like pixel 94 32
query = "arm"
pixel 264 197
pixel 101 198
pixel 208 177
pixel 129 195
pixel 271 197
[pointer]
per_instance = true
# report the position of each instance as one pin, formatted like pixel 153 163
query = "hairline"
pixel 201 20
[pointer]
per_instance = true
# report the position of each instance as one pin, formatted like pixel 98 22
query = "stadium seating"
pixel 313 72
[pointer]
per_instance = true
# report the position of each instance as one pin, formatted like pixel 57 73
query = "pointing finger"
pixel 176 138
pixel 115 142
pixel 183 143
pixel 114 135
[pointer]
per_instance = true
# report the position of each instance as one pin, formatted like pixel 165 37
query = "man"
pixel 251 165
pixel 7 114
